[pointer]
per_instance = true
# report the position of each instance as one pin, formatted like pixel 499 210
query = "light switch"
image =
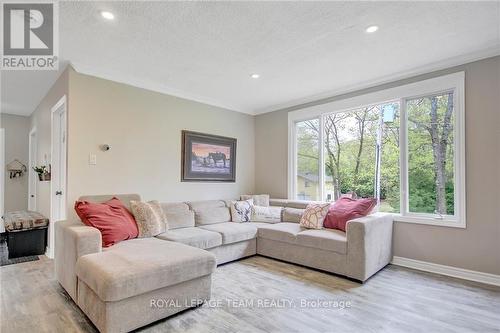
pixel 92 159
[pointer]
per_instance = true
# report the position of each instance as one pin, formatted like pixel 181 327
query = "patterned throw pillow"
pixel 266 214
pixel 150 218
pixel 314 216
pixel 241 211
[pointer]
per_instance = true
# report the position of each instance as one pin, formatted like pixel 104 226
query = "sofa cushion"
pixel 210 212
pixel 259 224
pixel 212 216
pixel 233 232
pixel 292 214
pixel 178 215
pixel 174 207
pixel 301 204
pixel 206 204
pixel 325 239
pixel 180 219
pixel 283 232
pixel 278 202
pixel 258 199
pixel 193 236
pixel 141 265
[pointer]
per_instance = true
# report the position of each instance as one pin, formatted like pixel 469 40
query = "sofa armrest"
pixel 369 245
pixel 73 240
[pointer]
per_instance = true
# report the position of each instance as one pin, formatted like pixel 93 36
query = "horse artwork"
pixel 208 157
pixel 218 156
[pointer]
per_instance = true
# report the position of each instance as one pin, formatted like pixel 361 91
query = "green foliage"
pixel 41 170
pixel 421 163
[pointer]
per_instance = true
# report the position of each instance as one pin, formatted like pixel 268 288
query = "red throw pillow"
pixel 346 209
pixel 112 218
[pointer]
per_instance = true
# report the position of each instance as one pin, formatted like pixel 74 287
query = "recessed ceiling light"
pixel 371 29
pixel 108 15
pixel 255 76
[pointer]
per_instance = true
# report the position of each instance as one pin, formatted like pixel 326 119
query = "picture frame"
pixel 207 158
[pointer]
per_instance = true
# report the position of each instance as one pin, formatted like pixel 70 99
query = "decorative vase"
pixel 44 177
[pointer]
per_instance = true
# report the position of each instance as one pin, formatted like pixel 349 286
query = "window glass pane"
pixel 430 154
pixel 349 153
pixel 307 182
pixel 362 154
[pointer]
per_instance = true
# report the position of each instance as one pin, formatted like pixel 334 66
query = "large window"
pixel 406 151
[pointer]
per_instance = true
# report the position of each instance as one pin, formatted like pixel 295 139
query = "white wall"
pixel 144 130
pixel 16 147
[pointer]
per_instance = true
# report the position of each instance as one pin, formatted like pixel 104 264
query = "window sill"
pixel 430 221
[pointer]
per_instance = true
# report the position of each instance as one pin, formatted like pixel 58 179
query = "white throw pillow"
pixel 241 211
pixel 266 214
pixel 258 199
pixel 314 215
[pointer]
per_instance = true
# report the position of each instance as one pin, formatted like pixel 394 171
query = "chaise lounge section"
pixel 358 253
pixel 108 284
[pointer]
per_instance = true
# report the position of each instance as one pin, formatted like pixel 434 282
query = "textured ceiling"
pixel 22 91
pixel 206 51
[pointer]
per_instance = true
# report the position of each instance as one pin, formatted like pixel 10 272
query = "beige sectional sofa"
pixel 115 286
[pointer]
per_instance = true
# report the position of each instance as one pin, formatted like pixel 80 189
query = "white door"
pixel 58 169
pixel 32 176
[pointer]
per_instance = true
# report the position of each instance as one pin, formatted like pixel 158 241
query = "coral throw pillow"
pixel 346 209
pixel 314 215
pixel 112 218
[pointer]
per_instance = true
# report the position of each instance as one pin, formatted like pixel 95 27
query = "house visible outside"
pixel 308 186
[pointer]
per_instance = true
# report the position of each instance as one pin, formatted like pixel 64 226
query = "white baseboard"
pixel 460 273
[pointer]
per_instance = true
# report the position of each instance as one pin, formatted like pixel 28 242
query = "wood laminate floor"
pixel 263 295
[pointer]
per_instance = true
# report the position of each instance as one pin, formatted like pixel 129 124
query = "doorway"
pixel 58 169
pixel 32 176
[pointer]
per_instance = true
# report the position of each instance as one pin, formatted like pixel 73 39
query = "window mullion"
pixel 321 158
pixel 295 162
pixel 403 158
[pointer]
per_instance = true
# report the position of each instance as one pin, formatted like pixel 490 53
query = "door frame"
pixel 33 157
pixel 2 177
pixel 58 160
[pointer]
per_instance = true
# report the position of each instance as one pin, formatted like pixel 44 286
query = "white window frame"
pixel 453 82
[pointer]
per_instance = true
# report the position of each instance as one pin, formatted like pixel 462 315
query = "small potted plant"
pixel 43 172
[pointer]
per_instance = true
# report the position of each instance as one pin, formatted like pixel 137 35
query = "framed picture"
pixel 207 157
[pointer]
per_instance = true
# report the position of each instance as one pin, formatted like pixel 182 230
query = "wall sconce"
pixel 105 147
